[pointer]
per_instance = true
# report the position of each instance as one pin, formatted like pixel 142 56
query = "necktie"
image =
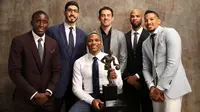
pixel 135 41
pixel 95 76
pixel 71 38
pixel 153 41
pixel 40 49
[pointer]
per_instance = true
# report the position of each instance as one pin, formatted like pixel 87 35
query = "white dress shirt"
pixel 36 38
pixel 139 32
pixel 82 77
pixel 67 30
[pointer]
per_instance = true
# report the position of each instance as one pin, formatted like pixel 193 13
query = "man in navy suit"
pixel 71 41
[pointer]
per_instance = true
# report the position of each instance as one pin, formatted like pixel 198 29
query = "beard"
pixel 135 26
pixel 71 19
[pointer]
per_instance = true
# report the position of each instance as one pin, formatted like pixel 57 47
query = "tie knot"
pixel 71 28
pixel 153 35
pixel 40 39
pixel 135 33
pixel 95 58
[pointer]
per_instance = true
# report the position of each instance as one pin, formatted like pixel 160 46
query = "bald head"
pixel 136 19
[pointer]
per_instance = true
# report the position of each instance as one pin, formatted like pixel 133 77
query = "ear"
pixel 31 23
pixel 99 18
pixel 159 21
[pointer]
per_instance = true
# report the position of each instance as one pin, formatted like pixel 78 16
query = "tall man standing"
pixel 162 66
pixel 136 92
pixel 71 41
pixel 34 67
pixel 113 39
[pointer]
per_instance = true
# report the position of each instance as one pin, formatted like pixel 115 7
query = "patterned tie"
pixel 95 76
pixel 153 41
pixel 71 38
pixel 40 49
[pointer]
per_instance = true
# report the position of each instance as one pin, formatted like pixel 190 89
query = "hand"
pixel 112 74
pixel 133 80
pixel 40 98
pixel 47 94
pixel 97 104
pixel 157 95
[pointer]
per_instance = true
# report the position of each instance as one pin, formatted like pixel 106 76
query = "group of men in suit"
pixel 150 62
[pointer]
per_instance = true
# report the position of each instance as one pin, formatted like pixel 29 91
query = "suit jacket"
pixel 166 63
pixel 57 32
pixel 118 47
pixel 134 61
pixel 26 69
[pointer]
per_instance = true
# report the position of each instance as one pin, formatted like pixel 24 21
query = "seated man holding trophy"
pixel 90 75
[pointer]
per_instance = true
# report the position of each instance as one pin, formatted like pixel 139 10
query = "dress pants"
pixel 170 105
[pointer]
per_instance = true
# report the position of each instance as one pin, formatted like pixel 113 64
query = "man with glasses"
pixel 71 41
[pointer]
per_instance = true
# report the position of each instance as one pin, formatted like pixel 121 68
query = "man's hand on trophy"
pixel 97 104
pixel 112 75
pixel 133 80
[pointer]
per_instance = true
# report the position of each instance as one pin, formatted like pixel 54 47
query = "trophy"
pixel 110 91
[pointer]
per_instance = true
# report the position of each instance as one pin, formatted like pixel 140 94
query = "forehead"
pixel 136 12
pixel 40 16
pixel 150 15
pixel 106 11
pixel 72 7
pixel 94 36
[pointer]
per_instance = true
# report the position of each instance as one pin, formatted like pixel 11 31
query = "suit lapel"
pixel 157 41
pixel 113 39
pixel 129 43
pixel 64 38
pixel 47 50
pixel 149 48
pixel 35 51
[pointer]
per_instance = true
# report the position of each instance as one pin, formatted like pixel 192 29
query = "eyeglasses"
pixel 72 10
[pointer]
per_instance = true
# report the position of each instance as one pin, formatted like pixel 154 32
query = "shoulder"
pixel 81 60
pixel 117 31
pixel 127 34
pixel 80 31
pixel 22 37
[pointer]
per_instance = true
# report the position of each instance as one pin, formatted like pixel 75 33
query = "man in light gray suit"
pixel 113 39
pixel 162 66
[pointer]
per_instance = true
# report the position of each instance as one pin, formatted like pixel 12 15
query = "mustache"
pixel 72 16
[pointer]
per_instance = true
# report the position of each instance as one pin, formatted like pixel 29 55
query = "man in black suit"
pixel 135 89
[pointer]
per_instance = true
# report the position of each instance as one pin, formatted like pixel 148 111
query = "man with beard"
pixel 162 66
pixel 136 92
pixel 71 41
pixel 113 39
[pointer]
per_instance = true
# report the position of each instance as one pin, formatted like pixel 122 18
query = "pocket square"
pixel 52 51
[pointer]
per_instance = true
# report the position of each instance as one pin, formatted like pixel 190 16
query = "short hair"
pixel 151 11
pixel 94 32
pixel 105 8
pixel 38 13
pixel 71 3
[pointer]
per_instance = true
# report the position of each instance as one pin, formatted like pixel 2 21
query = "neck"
pixel 71 24
pixel 95 53
pixel 136 29
pixel 106 29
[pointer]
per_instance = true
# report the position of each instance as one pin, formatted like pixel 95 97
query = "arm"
pixel 122 53
pixel 55 69
pixel 15 67
pixel 147 66
pixel 77 82
pixel 173 46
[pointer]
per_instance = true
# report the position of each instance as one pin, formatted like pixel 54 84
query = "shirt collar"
pixel 139 31
pixel 36 37
pixel 156 30
pixel 99 55
pixel 67 26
